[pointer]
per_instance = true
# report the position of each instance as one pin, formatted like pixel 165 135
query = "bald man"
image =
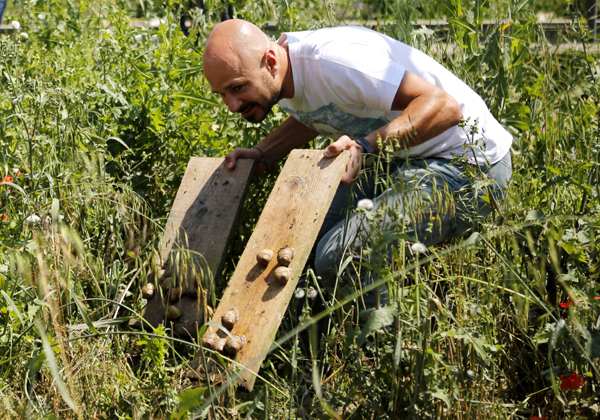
pixel 366 91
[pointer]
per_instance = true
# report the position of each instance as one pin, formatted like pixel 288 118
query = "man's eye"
pixel 237 88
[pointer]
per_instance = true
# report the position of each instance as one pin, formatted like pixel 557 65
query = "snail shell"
pixel 283 275
pixel 264 257
pixel 173 312
pixel 234 345
pixel 174 294
pixel 229 318
pixel 167 283
pixel 148 291
pixel 210 340
pixel 285 256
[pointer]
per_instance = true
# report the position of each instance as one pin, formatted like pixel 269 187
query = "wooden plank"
pixel 202 220
pixel 292 218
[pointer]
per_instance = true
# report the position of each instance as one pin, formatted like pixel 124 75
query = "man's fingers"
pixel 231 158
pixel 338 146
pixel 353 167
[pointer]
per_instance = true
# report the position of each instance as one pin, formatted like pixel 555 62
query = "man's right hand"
pixel 231 159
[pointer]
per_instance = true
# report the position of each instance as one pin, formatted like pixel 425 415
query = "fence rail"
pixel 552 29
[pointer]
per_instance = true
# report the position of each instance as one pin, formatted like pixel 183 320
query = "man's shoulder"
pixel 336 39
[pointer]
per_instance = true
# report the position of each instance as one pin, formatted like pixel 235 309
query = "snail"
pixel 191 292
pixel 229 319
pixel 174 294
pixel 285 256
pixel 173 312
pixel 234 344
pixel 264 257
pixel 167 283
pixel 148 291
pixel 210 340
pixel 283 275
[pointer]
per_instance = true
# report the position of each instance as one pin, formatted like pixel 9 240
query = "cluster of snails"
pixel 282 273
pixel 173 293
pixel 229 345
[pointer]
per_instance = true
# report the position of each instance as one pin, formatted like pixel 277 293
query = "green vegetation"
pixel 97 122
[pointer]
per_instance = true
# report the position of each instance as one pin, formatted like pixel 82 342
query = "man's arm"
pixel 288 136
pixel 428 111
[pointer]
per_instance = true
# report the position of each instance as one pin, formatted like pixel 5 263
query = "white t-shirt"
pixel 345 80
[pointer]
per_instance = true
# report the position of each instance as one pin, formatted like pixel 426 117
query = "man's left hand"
pixel 355 163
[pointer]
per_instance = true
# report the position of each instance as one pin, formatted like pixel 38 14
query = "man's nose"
pixel 233 102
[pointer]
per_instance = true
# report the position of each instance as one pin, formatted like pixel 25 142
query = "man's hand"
pixel 355 163
pixel 231 159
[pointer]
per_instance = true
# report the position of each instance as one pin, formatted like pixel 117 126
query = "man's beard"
pixel 261 111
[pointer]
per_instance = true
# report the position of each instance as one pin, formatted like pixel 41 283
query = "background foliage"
pixel 97 122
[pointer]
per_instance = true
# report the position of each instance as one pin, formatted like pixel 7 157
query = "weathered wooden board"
pixel 202 220
pixel 292 218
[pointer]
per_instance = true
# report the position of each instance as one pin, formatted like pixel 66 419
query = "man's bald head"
pixel 245 67
pixel 235 40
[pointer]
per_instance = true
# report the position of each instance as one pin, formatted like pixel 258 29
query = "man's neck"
pixel 287 85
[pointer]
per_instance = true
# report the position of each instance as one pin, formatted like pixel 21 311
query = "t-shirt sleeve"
pixel 360 75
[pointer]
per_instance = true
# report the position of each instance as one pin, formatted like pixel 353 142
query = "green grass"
pixel 100 127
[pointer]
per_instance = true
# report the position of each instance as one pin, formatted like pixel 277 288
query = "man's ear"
pixel 271 61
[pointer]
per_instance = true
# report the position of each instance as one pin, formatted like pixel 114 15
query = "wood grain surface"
pixel 292 218
pixel 202 220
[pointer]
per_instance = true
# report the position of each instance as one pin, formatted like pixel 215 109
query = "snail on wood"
pixel 173 312
pixel 234 344
pixel 285 256
pixel 229 319
pixel 148 291
pixel 283 275
pixel 264 257
pixel 210 340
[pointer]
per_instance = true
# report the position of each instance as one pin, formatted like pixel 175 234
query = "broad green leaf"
pixel 377 319
pixel 441 395
pixel 534 215
pixel 189 400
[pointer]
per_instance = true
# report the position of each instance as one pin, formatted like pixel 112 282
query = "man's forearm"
pixel 423 119
pixel 289 135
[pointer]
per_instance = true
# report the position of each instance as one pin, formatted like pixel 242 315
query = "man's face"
pixel 250 92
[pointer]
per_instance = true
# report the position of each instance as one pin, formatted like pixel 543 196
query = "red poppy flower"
pixel 4 217
pixel 538 418
pixel 565 304
pixel 597 297
pixel 573 381
pixel 7 178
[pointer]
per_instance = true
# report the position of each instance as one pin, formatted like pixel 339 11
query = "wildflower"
pixel 24 35
pixel 418 248
pixel 299 293
pixel 15 171
pixel 41 16
pixel 312 293
pixel 154 38
pixel 15 24
pixel 365 204
pixel 7 178
pixel 139 38
pixel 573 381
pixel 565 304
pixel 538 418
pixel 4 217
pixel 597 297
pixel 33 218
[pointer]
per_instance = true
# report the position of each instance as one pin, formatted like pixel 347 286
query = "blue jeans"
pixel 421 200
pixel 2 7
